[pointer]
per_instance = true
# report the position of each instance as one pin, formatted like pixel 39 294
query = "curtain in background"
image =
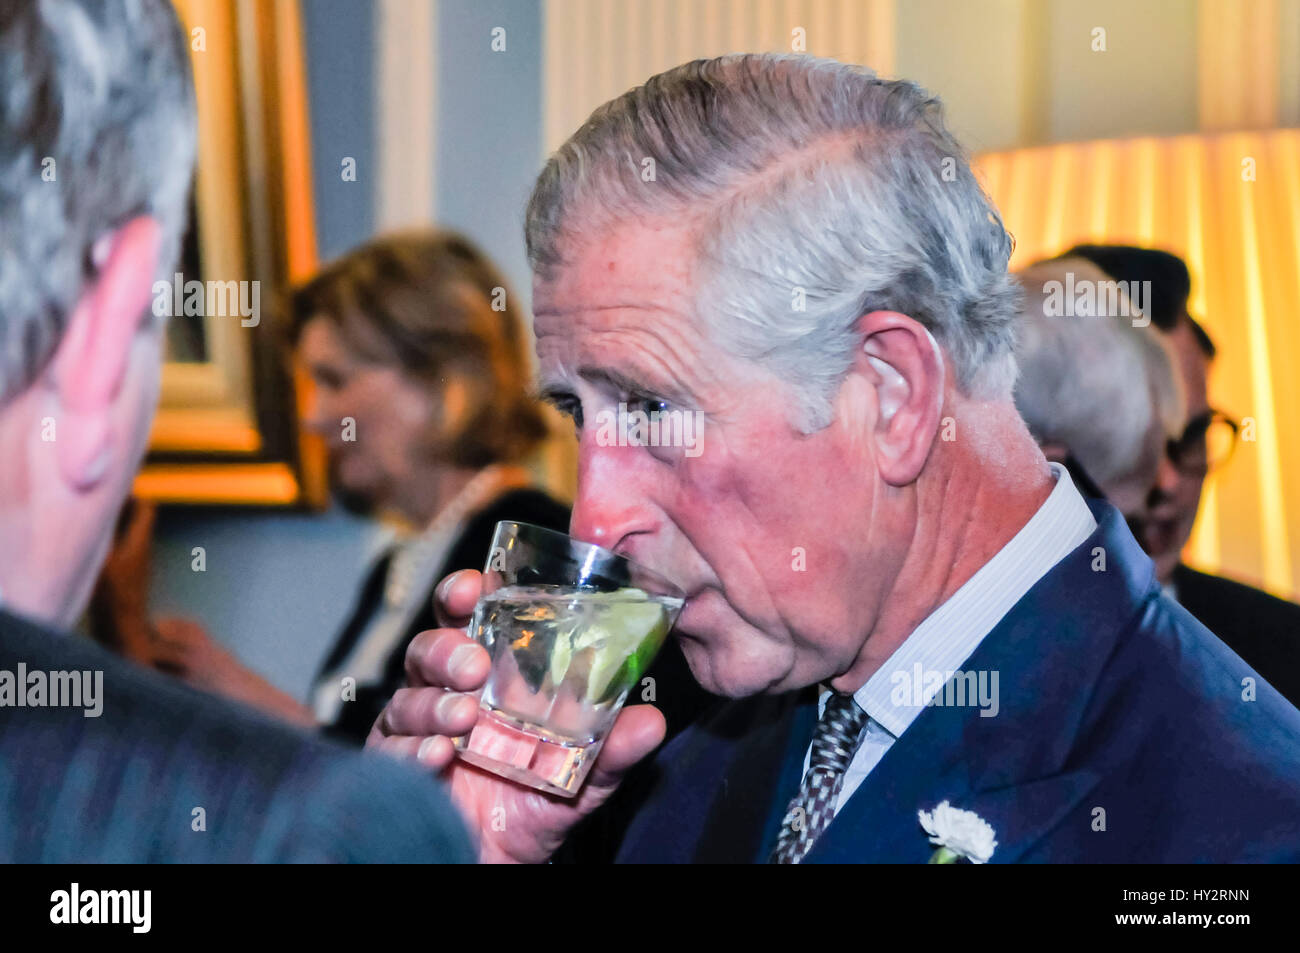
pixel 1229 204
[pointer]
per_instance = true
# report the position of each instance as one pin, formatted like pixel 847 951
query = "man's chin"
pixel 719 672
pixel 727 654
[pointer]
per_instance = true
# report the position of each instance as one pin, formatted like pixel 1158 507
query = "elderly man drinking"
pixel 928 638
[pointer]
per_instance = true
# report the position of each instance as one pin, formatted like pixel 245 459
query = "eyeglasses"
pixel 1206 443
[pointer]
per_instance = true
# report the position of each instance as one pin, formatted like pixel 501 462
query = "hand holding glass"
pixel 570 627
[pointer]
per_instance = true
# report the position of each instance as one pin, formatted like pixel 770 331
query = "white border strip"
pixel 405 104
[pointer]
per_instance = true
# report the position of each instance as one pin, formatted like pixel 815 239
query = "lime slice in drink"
pixel 562 653
pixel 619 631
pixel 624 640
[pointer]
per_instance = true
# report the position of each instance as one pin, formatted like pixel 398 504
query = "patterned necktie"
pixel 838 734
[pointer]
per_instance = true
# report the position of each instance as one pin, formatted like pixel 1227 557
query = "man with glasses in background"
pixel 1262 629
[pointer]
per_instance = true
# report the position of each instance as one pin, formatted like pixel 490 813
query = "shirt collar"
pixel 949 635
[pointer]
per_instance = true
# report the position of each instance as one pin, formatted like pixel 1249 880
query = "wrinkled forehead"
pixel 646 263
pixel 631 282
pixel 627 308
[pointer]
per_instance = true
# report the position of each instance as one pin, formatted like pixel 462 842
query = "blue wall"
pixel 275 586
pixel 339 39
pixel 489 132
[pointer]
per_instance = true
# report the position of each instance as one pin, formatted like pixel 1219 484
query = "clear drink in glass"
pixel 570 628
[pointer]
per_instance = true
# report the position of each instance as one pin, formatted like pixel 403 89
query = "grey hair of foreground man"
pixel 97 148
pixel 96 126
pixel 896 220
pixel 1097 386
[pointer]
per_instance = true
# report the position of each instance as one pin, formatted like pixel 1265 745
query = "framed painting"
pixel 226 432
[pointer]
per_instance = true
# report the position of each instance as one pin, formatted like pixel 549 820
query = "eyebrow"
pixel 551 391
pixel 626 383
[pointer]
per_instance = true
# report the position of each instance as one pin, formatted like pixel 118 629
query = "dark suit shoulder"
pixel 1261 628
pixel 1200 590
pixel 1185 662
pixel 167 773
pixel 1180 719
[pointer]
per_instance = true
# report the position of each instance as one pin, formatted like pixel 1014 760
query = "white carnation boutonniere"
pixel 958 834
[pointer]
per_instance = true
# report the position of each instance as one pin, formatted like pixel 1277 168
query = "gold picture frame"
pixel 226 431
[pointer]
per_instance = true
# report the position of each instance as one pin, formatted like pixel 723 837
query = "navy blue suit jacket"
pixel 124 787
pixel 1124 735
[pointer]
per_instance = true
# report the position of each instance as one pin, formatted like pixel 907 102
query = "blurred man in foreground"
pixel 909 609
pixel 100 761
pixel 1261 628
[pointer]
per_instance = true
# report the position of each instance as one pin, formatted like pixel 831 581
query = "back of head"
pixel 96 127
pixel 433 305
pixel 818 191
pixel 97 146
pixel 1094 384
pixel 1171 283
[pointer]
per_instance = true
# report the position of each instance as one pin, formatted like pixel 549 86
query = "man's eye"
pixel 571 407
pixel 648 405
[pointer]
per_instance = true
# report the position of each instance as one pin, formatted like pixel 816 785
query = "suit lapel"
pixel 794 746
pixel 1013 769
pixel 740 824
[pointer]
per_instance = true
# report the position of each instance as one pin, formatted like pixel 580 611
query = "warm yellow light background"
pixel 1229 204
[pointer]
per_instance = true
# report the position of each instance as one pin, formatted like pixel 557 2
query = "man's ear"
pixel 903 362
pixel 91 363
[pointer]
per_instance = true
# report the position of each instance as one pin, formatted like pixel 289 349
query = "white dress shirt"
pixel 950 634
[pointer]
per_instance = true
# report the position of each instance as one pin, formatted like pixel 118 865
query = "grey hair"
pixel 98 93
pixel 1098 385
pixel 809 182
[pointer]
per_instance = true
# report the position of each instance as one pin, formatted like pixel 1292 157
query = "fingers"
pixel 140 524
pixel 167 656
pixel 447 658
pixel 179 633
pixel 456 596
pixel 425 712
pixel 177 645
pixel 442 665
pixel 435 753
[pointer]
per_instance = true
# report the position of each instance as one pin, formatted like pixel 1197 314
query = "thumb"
pixel 455 598
pixel 637 731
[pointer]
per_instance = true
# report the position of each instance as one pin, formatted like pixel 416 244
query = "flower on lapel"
pixel 958 833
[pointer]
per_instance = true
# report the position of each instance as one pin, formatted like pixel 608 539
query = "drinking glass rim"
pixel 676 591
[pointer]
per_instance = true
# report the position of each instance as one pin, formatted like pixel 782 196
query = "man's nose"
pixel 611 505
